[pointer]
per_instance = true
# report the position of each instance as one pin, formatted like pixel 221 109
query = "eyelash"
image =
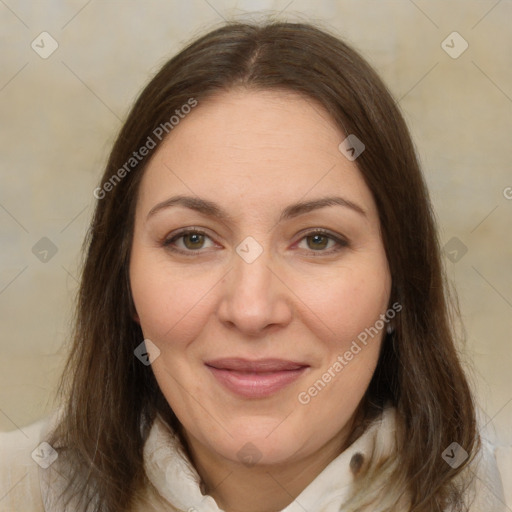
pixel 341 243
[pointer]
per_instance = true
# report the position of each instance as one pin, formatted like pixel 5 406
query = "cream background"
pixel 59 117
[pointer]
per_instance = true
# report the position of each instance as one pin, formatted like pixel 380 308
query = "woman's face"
pixel 258 269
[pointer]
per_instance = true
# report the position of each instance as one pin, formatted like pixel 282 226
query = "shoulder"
pixel 487 486
pixel 485 491
pixel 21 458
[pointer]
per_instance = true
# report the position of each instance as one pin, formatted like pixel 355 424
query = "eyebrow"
pixel 211 209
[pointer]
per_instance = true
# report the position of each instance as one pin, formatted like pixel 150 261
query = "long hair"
pixel 112 399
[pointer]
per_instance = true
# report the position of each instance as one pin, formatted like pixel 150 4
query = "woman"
pixel 261 322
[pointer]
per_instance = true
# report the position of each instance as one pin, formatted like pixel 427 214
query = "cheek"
pixel 348 310
pixel 170 303
pixel 348 306
pixel 339 306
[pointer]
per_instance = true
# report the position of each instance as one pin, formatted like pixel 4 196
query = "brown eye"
pixel 317 242
pixel 189 241
pixel 322 242
pixel 193 240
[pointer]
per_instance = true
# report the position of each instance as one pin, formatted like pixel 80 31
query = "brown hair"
pixel 112 399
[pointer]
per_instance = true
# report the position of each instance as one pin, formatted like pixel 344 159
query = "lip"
pixel 255 378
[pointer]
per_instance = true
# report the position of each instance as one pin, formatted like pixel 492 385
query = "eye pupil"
pixel 193 240
pixel 319 242
pixel 315 242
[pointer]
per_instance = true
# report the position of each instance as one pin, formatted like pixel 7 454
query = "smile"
pixel 255 379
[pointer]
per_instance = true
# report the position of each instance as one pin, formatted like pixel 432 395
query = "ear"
pixel 133 312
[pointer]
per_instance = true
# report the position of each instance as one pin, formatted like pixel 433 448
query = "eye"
pixel 194 240
pixel 321 241
pixel 190 240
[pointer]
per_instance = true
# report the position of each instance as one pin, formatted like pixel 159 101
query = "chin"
pixel 256 440
pixel 260 451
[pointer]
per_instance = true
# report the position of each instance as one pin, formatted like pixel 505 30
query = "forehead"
pixel 264 146
pixel 246 123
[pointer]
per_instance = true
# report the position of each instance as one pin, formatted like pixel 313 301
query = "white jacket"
pixel 25 486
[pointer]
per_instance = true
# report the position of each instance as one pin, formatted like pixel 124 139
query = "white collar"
pixel 176 480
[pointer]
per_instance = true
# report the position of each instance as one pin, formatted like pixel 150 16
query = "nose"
pixel 255 299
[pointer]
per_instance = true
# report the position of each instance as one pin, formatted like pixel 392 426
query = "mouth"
pixel 255 378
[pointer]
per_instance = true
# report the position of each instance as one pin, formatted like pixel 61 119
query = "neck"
pixel 262 488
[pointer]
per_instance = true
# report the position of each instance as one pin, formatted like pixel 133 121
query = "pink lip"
pixel 255 379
